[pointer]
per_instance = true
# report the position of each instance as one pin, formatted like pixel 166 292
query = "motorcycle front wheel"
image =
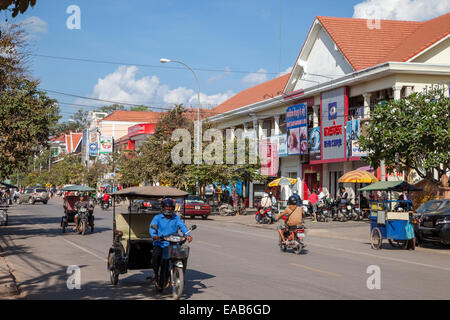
pixel 299 248
pixel 177 282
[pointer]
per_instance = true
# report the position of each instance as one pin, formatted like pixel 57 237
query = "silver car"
pixel 33 195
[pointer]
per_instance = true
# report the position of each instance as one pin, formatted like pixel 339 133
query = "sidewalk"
pixel 8 287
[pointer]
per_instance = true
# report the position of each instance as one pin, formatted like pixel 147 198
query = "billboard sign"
pixel 315 144
pixel 269 158
pixel 93 149
pixel 297 130
pixel 280 141
pixel 333 124
pixel 106 145
pixel 353 134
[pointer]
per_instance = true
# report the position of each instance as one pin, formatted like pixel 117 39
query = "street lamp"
pixel 163 60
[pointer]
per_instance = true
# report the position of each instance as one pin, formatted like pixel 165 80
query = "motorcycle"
pixel 294 239
pixel 356 213
pixel 324 213
pixel 105 205
pixel 343 212
pixel 307 208
pixel 265 215
pixel 228 210
pixel 177 254
pixel 85 219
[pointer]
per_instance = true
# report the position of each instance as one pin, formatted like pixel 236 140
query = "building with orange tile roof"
pixel 345 67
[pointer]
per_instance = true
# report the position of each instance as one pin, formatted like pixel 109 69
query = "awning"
pixel 358 176
pixel 390 186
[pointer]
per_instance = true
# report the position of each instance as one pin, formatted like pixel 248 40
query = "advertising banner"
pixel 269 158
pixel 106 145
pixel 93 149
pixel 353 134
pixel 281 142
pixel 297 130
pixel 333 124
pixel 315 143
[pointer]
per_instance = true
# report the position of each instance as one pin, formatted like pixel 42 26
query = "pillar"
pixel 367 97
pixel 397 91
pixel 276 125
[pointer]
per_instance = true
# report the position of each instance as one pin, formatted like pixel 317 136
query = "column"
pixel 276 125
pixel 245 127
pixel 316 110
pixel 397 91
pixel 367 96
pixel 408 91
pixel 260 129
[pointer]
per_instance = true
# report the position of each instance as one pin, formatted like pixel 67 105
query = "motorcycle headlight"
pixel 173 238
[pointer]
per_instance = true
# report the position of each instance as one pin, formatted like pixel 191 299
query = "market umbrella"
pixel 282 182
pixel 357 176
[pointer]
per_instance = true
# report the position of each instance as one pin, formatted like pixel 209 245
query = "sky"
pixel 231 44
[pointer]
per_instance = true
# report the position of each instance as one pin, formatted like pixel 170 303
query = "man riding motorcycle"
pixel 82 203
pixel 105 198
pixel 167 222
pixel 291 216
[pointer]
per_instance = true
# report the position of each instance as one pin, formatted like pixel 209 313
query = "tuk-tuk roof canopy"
pixel 151 192
pixel 78 188
pixel 390 186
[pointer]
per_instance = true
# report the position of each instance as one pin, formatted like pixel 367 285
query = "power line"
pixel 146 65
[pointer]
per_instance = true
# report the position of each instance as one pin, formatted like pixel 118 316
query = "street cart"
pixel 391 219
pixel 72 194
pixel 132 244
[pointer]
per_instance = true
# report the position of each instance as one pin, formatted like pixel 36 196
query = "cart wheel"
pixel 376 239
pixel 398 243
pixel 113 276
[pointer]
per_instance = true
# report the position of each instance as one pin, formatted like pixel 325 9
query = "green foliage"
pixel 77 124
pixel 18 6
pixel 412 133
pixel 140 108
pixel 111 108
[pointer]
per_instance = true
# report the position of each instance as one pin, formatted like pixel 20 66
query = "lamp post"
pixel 163 60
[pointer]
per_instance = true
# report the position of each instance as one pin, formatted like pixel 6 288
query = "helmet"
pixel 292 201
pixel 168 206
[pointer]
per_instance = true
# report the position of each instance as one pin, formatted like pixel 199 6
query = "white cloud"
pixel 35 25
pixel 255 78
pixel 288 70
pixel 124 85
pixel 416 10
pixel 220 76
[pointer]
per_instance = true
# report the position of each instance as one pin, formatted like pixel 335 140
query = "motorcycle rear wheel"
pixel 299 249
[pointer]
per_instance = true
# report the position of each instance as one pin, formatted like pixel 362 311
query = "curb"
pixel 8 287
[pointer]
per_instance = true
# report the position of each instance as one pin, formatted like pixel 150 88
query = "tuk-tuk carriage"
pixel 132 244
pixel 72 194
pixel 390 218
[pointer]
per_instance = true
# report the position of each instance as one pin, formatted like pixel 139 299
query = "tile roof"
pixel 133 116
pixel 395 40
pixel 263 91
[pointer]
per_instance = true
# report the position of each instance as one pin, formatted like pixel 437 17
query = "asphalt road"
pixel 231 258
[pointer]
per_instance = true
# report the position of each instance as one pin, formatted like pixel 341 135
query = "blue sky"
pixel 228 35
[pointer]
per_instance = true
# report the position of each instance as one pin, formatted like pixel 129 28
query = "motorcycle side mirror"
pixel 154 227
pixel 194 227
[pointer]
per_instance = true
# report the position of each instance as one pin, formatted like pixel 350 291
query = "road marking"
pixel 317 270
pixel 85 250
pixel 209 244
pixel 343 250
pixel 74 244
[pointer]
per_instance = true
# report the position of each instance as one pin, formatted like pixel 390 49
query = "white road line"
pixel 75 245
pixel 340 249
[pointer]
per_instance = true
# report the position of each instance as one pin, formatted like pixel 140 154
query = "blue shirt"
pixel 166 227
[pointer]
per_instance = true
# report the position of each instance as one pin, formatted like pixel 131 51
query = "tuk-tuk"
pixel 72 194
pixel 390 218
pixel 132 244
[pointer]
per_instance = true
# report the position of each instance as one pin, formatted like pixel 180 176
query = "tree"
pixel 140 108
pixel 19 5
pixel 27 114
pixel 412 133
pixel 111 108
pixel 77 123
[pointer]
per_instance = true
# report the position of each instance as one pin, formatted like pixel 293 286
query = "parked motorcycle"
pixel 307 208
pixel 343 212
pixel 324 213
pixel 294 239
pixel 265 215
pixel 228 210
pixel 177 254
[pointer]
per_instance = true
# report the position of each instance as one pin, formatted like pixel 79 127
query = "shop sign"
pixel 93 149
pixel 353 133
pixel 269 158
pixel 333 122
pixel 145 128
pixel 280 141
pixel 297 130
pixel 314 142
pixel 106 145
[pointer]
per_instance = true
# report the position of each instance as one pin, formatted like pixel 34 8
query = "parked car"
pixel 145 206
pixel 431 206
pixel 195 206
pixel 435 226
pixel 33 195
